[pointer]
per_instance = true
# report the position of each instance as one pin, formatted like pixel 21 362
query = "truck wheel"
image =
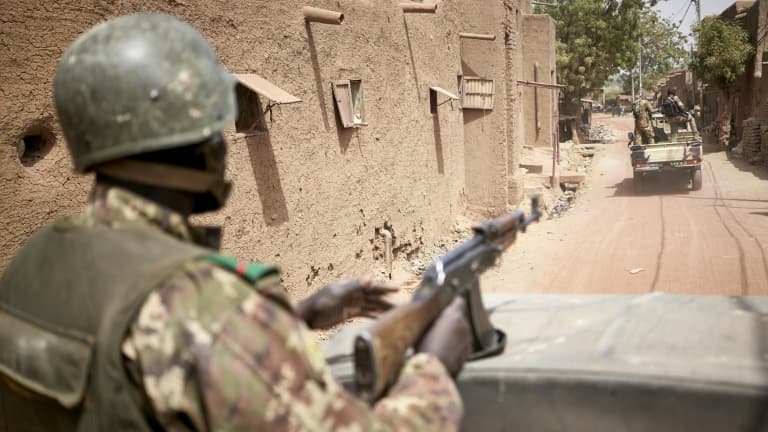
pixel 637 182
pixel 696 180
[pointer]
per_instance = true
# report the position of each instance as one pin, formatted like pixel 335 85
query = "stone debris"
pixel 565 202
pixel 599 132
pixel 418 266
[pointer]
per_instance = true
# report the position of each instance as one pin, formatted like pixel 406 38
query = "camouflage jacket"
pixel 214 353
pixel 644 113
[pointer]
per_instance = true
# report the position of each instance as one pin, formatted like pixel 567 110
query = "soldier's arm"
pixel 680 103
pixel 217 354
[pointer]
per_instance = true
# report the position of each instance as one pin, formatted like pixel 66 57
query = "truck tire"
pixel 637 182
pixel 696 180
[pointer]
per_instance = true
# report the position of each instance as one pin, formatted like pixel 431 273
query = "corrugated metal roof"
pixel 444 92
pixel 266 89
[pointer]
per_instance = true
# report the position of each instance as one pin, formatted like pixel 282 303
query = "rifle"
pixel 379 350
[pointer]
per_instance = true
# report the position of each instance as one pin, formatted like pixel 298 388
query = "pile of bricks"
pixel 764 144
pixel 751 142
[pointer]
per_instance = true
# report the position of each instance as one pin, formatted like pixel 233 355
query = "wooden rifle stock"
pixel 379 351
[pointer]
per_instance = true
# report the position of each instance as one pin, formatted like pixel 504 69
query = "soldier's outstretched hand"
pixel 344 299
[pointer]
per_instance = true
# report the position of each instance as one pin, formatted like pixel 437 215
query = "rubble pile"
pixel 566 202
pixel 600 133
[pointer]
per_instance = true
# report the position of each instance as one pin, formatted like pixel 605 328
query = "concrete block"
pixel 533 168
pixel 572 177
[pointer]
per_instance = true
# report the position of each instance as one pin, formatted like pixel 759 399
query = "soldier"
pixel 117 320
pixel 675 111
pixel 643 111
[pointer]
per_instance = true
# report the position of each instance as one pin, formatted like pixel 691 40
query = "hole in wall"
pixel 35 143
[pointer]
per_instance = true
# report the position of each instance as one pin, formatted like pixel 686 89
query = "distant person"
pixel 621 111
pixel 642 111
pixel 674 109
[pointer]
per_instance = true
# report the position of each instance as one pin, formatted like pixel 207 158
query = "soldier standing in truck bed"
pixel 642 110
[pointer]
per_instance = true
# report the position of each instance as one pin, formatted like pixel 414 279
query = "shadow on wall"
pixel 318 76
pixel 345 134
pixel 267 178
pixel 466 70
pixel 413 62
pixel 438 143
pixel 473 115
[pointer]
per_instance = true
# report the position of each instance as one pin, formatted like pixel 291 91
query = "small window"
pixel 348 95
pixel 476 93
pixel 250 118
pixel 433 94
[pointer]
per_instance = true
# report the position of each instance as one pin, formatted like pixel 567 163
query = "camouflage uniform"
pixel 643 128
pixel 216 353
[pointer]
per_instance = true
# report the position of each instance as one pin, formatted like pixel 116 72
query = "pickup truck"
pixel 669 154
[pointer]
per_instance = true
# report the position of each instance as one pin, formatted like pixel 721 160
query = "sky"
pixel 675 10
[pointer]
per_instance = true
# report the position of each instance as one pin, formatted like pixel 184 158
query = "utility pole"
pixel 640 64
pixel 696 88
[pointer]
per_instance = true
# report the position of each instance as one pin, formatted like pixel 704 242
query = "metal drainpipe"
pixel 388 250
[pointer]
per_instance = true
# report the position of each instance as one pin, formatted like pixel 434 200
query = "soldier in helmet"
pixel 121 318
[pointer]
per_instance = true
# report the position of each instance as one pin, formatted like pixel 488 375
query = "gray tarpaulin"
pixel 623 362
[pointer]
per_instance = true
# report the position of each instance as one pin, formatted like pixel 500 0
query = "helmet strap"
pixel 165 176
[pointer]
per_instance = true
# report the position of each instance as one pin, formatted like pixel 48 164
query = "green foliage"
pixel 610 95
pixel 723 51
pixel 595 39
pixel 663 49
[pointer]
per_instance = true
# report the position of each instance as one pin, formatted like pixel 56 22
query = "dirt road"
pixel 670 239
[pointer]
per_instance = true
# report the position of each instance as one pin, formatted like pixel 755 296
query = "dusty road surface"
pixel 670 239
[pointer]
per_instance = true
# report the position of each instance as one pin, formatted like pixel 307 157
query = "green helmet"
pixel 138 84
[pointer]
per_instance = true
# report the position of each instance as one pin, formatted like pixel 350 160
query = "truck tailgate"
pixel 665 152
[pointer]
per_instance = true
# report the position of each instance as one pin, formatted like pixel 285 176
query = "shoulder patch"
pixel 250 271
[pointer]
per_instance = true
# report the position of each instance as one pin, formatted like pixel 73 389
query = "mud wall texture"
pixel 42 186
pixel 309 195
pixel 513 19
pixel 485 136
pixel 539 65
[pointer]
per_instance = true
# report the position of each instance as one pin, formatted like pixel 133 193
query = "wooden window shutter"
pixel 342 95
pixel 477 93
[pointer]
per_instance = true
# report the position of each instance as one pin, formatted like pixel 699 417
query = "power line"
pixel 685 15
pixel 675 15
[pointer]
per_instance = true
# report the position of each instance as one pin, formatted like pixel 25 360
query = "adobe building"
pixel 541 107
pixel 387 121
pixel 747 95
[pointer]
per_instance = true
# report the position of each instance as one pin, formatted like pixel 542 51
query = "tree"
pixel 595 39
pixel 722 54
pixel 663 50
pixel 721 58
